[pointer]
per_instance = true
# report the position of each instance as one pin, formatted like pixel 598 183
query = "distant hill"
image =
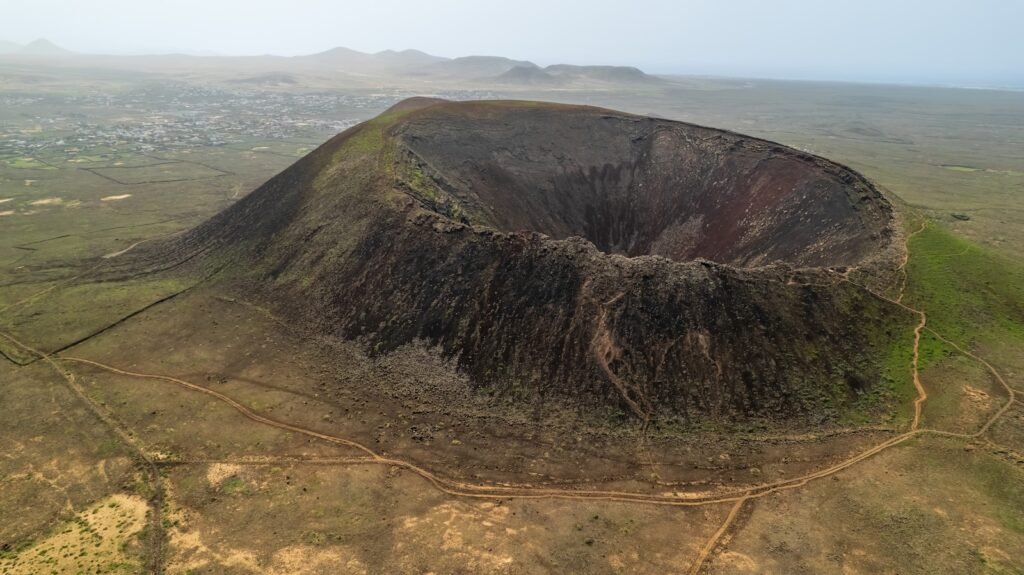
pixel 413 62
pixel 527 76
pixel 340 62
pixel 337 55
pixel 611 74
pixel 386 61
pixel 268 79
pixel 407 58
pixel 564 74
pixel 473 67
pixel 43 47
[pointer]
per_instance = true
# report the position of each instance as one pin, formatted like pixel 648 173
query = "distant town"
pixel 179 116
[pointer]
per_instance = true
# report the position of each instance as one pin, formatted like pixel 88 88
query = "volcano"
pixel 615 262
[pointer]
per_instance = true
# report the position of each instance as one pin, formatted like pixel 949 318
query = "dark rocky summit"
pixel 581 255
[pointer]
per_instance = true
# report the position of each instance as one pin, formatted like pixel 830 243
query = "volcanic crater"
pixel 616 263
pixel 640 186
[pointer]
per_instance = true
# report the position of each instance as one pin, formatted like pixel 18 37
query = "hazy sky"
pixel 931 41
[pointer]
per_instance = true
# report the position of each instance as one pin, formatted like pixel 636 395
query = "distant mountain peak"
pixel 339 51
pixel 477 67
pixel 43 47
pixel 386 60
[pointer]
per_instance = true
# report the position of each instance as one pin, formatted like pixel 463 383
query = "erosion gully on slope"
pixel 472 490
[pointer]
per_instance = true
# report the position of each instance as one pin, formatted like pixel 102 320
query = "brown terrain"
pixel 510 337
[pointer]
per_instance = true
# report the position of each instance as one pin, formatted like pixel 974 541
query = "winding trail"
pixel 739 497
pixel 1010 391
pixel 922 393
pixel 156 500
pixel 922 396
pixel 474 490
pixel 139 243
pixel 902 269
pixel 126 250
pixel 466 489
pixel 482 491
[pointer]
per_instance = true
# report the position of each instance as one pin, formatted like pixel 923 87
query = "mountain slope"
pixel 388 61
pixel 563 253
pixel 44 48
pixel 610 74
pixel 529 76
pixel 474 67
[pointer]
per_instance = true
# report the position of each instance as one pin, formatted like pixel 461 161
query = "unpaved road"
pixel 473 490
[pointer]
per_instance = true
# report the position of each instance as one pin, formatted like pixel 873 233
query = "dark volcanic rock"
pixel 641 186
pixel 581 254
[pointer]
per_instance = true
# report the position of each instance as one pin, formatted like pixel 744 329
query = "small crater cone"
pixel 580 255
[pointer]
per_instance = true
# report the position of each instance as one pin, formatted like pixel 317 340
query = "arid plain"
pixel 172 420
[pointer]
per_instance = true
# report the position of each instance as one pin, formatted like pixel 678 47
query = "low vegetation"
pixel 246 497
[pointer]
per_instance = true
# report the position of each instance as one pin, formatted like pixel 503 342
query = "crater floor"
pixel 643 186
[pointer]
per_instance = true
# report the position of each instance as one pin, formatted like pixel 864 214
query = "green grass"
pixel 973 297
pixel 971 294
pixel 234 486
pixel 985 479
pixel 368 137
pixel 896 386
pixel 63 316
pixel 996 480
pixel 427 191
pixel 79 159
pixel 162 172
pixel 27 164
pixel 109 448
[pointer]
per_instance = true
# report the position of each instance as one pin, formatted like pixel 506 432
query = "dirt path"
pixel 470 490
pixel 708 547
pixel 156 501
pixel 139 243
pixel 124 251
pixel 906 260
pixel 922 395
pixel 463 489
pixel 1011 393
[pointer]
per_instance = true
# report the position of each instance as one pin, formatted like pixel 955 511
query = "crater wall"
pixel 618 264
